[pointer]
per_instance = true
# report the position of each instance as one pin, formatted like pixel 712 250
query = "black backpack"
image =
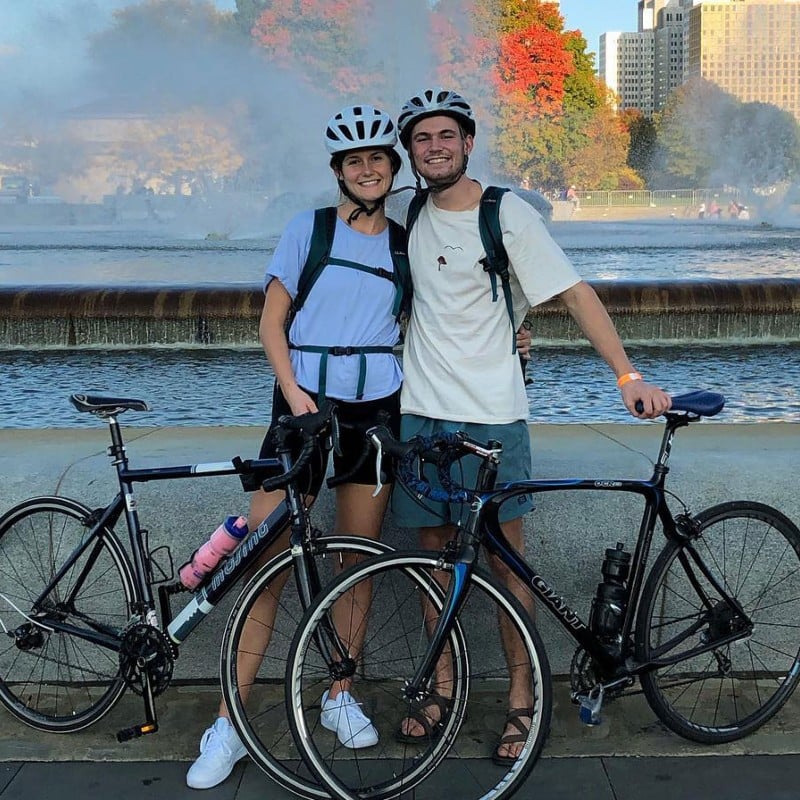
pixel 496 261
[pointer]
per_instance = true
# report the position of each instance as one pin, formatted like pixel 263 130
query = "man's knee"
pixel 435 538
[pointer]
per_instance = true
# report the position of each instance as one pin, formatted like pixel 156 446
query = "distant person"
pixel 714 209
pixel 572 196
pixel 365 381
pixel 480 389
pixel 733 209
pixel 701 212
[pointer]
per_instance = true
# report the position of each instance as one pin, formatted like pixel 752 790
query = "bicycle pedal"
pixel 134 732
pixel 589 717
pixel 591 705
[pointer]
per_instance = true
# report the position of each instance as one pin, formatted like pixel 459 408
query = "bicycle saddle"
pixel 102 404
pixel 702 403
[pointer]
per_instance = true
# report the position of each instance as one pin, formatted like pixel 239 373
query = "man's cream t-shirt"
pixel 457 360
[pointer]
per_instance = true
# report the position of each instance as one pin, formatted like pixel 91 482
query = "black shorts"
pixel 361 414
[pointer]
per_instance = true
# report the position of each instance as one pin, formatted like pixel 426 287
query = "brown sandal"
pixel 418 713
pixel 514 717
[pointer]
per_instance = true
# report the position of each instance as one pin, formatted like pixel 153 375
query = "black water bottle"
pixel 608 606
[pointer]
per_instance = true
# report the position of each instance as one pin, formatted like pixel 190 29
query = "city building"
pixel 627 65
pixel 749 48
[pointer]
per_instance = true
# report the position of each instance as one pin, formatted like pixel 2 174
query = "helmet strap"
pixel 361 206
pixel 437 188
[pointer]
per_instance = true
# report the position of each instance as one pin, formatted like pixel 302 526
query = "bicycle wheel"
pixel 464 706
pixel 258 710
pixel 54 680
pixel 723 694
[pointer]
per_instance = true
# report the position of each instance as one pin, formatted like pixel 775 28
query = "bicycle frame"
pixel 219 582
pixel 482 527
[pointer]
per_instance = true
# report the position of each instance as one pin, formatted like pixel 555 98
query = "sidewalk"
pixel 607 778
pixel 628 757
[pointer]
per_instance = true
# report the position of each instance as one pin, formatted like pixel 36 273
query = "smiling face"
pixel 367 174
pixel 438 148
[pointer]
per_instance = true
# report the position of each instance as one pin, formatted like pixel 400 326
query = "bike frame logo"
pixel 557 604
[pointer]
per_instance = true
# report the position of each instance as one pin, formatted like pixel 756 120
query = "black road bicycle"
pixel 79 623
pixel 711 632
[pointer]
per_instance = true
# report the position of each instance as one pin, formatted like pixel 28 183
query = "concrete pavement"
pixel 630 755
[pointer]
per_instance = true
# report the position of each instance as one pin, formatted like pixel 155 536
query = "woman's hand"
pixel 299 401
pixel 524 341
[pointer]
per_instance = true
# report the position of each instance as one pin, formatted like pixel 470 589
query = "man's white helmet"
pixel 431 102
pixel 357 127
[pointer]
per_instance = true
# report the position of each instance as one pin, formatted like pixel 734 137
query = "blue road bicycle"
pixel 709 628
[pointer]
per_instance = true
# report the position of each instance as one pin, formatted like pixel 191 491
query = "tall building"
pixel 670 48
pixel 749 48
pixel 627 67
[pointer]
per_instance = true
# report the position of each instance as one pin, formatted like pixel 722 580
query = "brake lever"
pixel 376 442
pixel 336 435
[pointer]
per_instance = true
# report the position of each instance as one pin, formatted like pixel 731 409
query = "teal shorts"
pixel 515 464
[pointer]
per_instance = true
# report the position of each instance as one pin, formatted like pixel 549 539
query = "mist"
pixel 77 68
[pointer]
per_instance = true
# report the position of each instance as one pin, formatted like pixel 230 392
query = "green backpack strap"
pixel 496 260
pixel 398 247
pixel 414 207
pixel 318 254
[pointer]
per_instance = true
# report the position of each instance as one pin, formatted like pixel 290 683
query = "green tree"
pixel 168 52
pixel 690 132
pixel 643 143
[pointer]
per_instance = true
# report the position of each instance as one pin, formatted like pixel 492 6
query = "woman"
pixel 342 350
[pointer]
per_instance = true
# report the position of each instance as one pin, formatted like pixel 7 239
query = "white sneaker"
pixel 344 715
pixel 220 749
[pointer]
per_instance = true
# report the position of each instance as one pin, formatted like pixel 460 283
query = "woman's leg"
pixel 358 513
pixel 258 628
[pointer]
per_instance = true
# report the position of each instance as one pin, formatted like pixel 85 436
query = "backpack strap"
pixel 414 207
pixel 496 260
pixel 318 258
pixel 319 250
pixel 398 248
pixel 325 352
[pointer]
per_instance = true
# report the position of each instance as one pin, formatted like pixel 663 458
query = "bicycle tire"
pixel 54 681
pixel 261 721
pixel 474 696
pixel 728 692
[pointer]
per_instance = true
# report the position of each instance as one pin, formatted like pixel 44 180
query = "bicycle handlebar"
pixel 338 480
pixel 446 448
pixel 310 427
pixel 443 450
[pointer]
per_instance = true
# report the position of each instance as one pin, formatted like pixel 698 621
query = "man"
pixel 460 369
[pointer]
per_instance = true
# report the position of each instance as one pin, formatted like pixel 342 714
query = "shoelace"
pixel 220 744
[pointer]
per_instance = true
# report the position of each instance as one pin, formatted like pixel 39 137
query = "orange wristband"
pixel 627 378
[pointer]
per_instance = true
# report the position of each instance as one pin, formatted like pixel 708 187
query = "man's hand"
pixel 654 401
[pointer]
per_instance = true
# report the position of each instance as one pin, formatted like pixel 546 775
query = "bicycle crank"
pixel 144 650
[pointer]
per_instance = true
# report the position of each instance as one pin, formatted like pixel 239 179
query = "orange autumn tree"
pixel 322 40
pixel 535 82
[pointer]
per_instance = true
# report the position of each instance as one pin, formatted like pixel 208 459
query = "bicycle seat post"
pixel 116 452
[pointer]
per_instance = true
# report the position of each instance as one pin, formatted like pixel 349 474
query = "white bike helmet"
pixel 357 127
pixel 431 102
